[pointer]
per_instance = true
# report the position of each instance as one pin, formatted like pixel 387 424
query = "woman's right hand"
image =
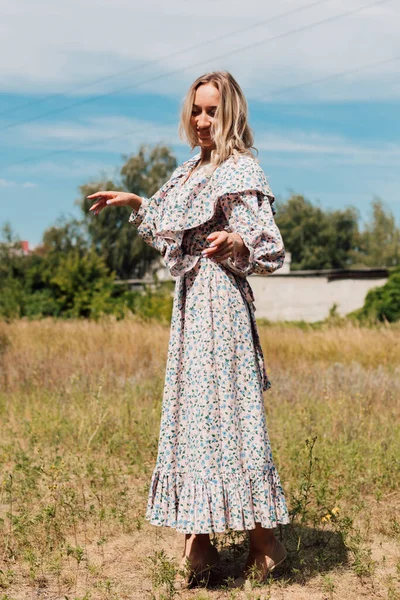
pixel 110 198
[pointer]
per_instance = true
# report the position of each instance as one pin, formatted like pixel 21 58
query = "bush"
pixel 148 304
pixel 82 286
pixel 383 303
pixel 73 284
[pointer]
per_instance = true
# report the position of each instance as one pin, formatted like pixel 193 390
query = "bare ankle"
pixel 262 540
pixel 196 541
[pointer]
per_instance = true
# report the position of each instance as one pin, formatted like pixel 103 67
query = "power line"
pixel 182 69
pixel 157 60
pixel 326 78
pixel 275 92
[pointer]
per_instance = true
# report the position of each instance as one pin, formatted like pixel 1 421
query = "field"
pixel 79 413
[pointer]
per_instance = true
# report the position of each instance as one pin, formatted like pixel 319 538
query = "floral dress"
pixel 214 469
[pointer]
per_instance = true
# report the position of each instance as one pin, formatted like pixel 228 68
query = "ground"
pixel 79 415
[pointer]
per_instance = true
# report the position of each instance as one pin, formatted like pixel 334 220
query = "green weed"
pixel 163 576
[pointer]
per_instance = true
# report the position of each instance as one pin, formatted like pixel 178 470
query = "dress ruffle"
pixel 194 504
pixel 178 208
pixel 183 210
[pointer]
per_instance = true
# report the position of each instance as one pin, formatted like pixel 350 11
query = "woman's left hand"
pixel 224 245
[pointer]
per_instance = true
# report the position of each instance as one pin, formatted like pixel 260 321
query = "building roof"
pixel 332 274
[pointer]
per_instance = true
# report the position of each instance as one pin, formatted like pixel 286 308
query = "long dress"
pixel 214 469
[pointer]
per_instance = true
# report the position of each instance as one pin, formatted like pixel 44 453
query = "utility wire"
pixel 325 78
pixel 272 93
pixel 157 60
pixel 182 69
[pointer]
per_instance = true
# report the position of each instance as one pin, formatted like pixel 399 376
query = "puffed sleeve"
pixel 144 220
pixel 249 213
pixel 147 218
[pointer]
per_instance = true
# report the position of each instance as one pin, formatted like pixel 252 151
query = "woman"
pixel 213 224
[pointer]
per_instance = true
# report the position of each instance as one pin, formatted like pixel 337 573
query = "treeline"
pixel 72 272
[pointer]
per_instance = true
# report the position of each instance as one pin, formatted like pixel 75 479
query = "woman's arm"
pixel 143 219
pixel 141 216
pixel 111 198
pixel 249 216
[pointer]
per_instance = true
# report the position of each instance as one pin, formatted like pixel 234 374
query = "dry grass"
pixel 79 412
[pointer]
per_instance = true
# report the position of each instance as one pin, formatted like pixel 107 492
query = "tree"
pixel 110 233
pixel 63 278
pixel 380 239
pixel 145 172
pixel 71 274
pixel 12 283
pixel 317 239
pixel 82 285
pixel 63 237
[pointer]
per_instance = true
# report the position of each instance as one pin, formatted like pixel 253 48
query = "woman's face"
pixel 205 105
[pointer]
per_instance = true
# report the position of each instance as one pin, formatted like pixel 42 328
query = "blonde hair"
pixel 230 131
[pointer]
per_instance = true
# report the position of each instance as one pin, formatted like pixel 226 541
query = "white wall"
pixel 285 296
pixel 308 298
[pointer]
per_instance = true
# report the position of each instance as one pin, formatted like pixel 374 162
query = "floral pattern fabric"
pixel 214 468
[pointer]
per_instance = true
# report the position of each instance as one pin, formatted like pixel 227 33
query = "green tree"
pixel 63 278
pixel 380 239
pixel 63 237
pixel 145 172
pixel 12 289
pixel 110 233
pixel 317 239
pixel 82 286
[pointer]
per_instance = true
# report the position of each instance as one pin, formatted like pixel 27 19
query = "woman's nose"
pixel 203 121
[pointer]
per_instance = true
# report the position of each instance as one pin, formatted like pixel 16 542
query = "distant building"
pixel 25 247
pixel 20 248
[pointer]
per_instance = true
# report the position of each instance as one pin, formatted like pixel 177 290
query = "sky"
pixel 82 85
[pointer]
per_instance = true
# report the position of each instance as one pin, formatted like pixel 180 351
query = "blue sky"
pixel 324 113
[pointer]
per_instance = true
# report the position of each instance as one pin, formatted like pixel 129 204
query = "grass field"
pixel 79 410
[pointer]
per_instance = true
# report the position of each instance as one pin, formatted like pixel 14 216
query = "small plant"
pixel 163 576
pixel 6 578
pixel 302 499
pixel 328 586
pixel 363 565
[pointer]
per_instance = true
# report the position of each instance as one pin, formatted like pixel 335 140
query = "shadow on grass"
pixel 311 551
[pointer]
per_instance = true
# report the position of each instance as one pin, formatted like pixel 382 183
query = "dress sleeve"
pixel 143 219
pixel 249 214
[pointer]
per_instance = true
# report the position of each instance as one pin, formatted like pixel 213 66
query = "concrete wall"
pixel 294 297
pixel 308 295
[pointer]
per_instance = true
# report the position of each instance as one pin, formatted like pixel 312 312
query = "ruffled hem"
pixel 193 504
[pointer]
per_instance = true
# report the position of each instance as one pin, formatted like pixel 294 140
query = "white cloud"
pixel 311 145
pixel 117 136
pixel 8 183
pixel 96 129
pixel 69 169
pixel 122 135
pixel 102 136
pixel 99 135
pixel 53 47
